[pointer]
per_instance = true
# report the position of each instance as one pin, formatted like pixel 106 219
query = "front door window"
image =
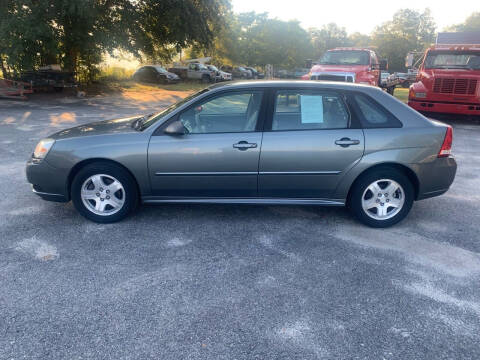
pixel 228 113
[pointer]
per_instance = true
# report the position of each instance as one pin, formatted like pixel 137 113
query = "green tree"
pixel 471 23
pixel 75 33
pixel 409 30
pixel 280 43
pixel 359 40
pixel 327 37
pixel 256 40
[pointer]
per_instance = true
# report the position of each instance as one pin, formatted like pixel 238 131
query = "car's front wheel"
pixel 104 192
pixel 382 198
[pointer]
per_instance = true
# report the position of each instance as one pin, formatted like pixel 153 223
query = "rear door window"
pixel 305 110
pixel 373 115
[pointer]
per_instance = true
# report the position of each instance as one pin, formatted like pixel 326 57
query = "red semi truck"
pixel 448 79
pixel 356 65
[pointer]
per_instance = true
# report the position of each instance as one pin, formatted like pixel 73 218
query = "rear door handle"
pixel 346 142
pixel 243 145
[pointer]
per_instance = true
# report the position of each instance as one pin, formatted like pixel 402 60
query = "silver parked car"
pixel 267 142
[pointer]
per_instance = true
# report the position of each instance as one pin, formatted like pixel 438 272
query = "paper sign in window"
pixel 312 109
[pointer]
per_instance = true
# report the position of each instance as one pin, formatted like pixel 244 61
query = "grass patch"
pixel 401 94
pixel 115 73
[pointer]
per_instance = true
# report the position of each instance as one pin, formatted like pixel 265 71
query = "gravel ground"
pixel 230 282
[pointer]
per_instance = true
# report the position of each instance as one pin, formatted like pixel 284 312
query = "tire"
pixel 120 196
pixel 378 209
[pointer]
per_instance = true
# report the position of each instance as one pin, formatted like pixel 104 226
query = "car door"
pixel 308 146
pixel 193 72
pixel 218 157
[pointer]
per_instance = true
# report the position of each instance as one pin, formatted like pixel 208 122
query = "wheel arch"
pixel 80 165
pixel 400 167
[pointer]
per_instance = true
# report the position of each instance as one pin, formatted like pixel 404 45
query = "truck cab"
pixel 448 79
pixel 356 65
pixel 198 71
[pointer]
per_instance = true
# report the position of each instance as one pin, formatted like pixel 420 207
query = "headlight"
pixel 420 95
pixel 42 148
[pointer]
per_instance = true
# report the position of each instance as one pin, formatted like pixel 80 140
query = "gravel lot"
pixel 230 282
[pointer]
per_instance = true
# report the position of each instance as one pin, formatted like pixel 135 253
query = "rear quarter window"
pixel 374 115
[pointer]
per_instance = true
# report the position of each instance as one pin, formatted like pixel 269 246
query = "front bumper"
pixel 447 108
pixel 47 182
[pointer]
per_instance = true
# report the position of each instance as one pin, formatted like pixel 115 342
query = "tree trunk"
pixel 4 70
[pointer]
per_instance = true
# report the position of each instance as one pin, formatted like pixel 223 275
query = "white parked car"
pixel 220 75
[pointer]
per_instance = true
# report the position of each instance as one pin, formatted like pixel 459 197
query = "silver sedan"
pixel 264 142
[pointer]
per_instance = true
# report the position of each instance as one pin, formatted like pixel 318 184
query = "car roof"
pixel 314 84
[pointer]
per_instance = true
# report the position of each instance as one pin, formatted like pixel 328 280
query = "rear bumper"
pixel 436 178
pixel 47 182
pixel 447 108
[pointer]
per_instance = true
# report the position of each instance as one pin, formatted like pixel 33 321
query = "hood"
pixel 339 68
pixel 171 75
pixel 453 73
pixel 106 127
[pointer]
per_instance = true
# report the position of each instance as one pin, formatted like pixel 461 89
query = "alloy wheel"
pixel 383 199
pixel 102 194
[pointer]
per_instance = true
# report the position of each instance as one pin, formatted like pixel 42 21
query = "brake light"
pixel 446 148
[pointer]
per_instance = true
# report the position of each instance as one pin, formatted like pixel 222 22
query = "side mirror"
pixel 383 64
pixel 176 128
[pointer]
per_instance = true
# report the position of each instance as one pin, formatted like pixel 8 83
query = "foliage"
pixel 409 30
pixel 472 23
pixel 256 40
pixel 75 33
pixel 328 37
pixel 115 73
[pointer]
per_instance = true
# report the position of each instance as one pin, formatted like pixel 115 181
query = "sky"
pixel 355 15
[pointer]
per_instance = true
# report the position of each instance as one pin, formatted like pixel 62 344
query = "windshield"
pixel 160 69
pixel 154 118
pixel 453 60
pixel 345 57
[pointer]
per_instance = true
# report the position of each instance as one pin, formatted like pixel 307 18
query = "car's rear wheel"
pixel 382 198
pixel 104 192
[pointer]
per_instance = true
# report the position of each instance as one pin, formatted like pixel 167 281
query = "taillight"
pixel 446 148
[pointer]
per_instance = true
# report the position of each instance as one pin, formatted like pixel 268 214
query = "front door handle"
pixel 346 142
pixel 244 145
